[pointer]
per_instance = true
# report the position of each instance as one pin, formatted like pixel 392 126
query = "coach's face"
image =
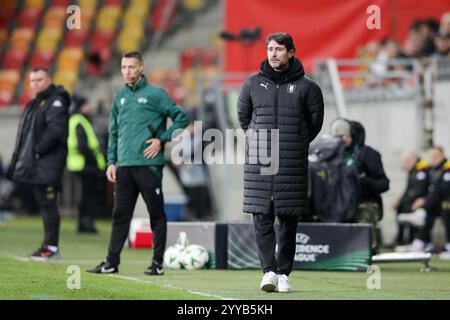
pixel 39 81
pixel 132 70
pixel 278 55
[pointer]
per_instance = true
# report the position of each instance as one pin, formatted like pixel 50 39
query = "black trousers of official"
pixel 46 199
pixel 282 262
pixel 130 182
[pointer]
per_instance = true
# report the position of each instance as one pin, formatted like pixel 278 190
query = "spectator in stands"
pixel 137 134
pixel 442 43
pixel 444 27
pixel 86 161
pixel 283 194
pixel 371 176
pixel 40 154
pixel 415 192
pixel 434 205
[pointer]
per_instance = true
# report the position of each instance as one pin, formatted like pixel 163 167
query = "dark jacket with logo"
pixel 292 103
pixel 417 186
pixel 41 144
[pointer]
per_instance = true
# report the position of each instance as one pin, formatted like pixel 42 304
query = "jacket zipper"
pixel 276 127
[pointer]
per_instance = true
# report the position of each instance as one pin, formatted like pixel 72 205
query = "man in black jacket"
pixel 280 97
pixel 40 154
pixel 372 179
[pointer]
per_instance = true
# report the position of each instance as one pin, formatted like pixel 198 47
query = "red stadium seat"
pixel 28 17
pixel 13 59
pixel 113 2
pixel 6 96
pixel 6 18
pixel 101 40
pixel 41 59
pixel 76 37
pixel 60 3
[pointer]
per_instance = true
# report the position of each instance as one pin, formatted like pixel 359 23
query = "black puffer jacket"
pixel 293 103
pixel 41 143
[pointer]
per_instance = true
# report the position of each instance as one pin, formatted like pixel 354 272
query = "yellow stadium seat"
pixel 48 39
pixel 36 4
pixel 55 17
pixel 67 79
pixel 87 4
pixel 9 79
pixel 21 39
pixel 136 12
pixel 193 5
pixel 108 17
pixel 141 3
pixel 128 43
pixel 69 59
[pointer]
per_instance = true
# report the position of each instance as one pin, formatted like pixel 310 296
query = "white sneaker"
pixel 269 282
pixel 445 255
pixel 283 283
pixel 416 218
pixel 416 246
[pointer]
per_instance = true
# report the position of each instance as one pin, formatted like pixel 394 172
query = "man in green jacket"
pixel 137 134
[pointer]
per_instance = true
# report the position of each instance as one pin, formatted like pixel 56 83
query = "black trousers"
pixel 46 200
pixel 425 232
pixel 130 182
pixel 282 262
pixel 89 193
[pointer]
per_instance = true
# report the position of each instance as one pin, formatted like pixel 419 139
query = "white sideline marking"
pixel 169 286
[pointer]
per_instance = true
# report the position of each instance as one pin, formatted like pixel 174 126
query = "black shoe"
pixel 105 268
pixel 83 229
pixel 156 269
pixel 44 254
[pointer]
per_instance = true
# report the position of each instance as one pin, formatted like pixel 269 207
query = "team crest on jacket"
pixel 291 88
pixel 122 101
pixel 142 100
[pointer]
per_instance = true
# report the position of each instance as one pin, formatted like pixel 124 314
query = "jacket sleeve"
pixel 174 112
pixel 113 134
pixel 56 118
pixel 83 146
pixel 374 179
pixel 314 110
pixel 245 106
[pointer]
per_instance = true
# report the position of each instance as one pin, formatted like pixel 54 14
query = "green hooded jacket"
pixel 139 113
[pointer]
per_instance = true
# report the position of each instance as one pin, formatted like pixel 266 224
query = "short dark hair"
pixel 133 54
pixel 37 69
pixel 281 38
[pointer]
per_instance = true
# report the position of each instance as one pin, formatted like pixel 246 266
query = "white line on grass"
pixel 169 286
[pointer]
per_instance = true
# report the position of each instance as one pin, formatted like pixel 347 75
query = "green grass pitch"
pixel 22 279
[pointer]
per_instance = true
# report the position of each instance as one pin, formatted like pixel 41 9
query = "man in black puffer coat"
pixel 279 97
pixel 40 154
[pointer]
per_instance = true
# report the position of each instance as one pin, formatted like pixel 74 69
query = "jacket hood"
pixel 294 71
pixel 358 133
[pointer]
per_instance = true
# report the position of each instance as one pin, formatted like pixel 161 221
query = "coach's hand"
pixel 111 173
pixel 153 149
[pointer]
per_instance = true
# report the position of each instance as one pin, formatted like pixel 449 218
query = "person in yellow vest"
pixel 85 159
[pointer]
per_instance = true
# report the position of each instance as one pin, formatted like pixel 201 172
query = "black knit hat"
pixel 78 102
